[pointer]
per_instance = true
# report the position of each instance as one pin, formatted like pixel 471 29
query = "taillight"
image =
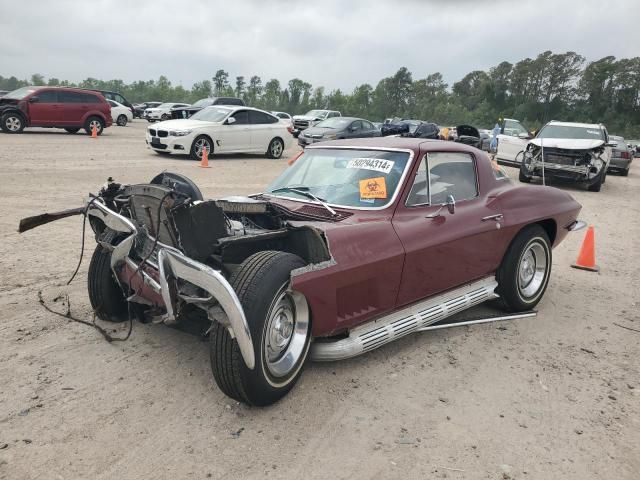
pixel 625 155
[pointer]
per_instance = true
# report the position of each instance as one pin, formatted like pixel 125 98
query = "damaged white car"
pixel 571 152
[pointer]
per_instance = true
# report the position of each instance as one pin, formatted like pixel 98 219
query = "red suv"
pixel 59 107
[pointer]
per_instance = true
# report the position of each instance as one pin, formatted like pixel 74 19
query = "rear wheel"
pixel 280 329
pixel 105 295
pixel 12 123
pixel 122 120
pixel 94 122
pixel 72 130
pixel 276 148
pixel 625 173
pixel 524 273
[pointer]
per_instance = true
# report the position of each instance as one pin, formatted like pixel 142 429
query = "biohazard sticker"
pixel 375 164
pixel 372 188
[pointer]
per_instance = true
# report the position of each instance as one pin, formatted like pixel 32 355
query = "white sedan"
pixel 120 114
pixel 162 111
pixel 221 129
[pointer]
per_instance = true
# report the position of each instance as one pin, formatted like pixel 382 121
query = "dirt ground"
pixel 552 397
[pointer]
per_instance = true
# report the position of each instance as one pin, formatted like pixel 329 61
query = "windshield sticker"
pixel 372 188
pixel 593 132
pixel 375 164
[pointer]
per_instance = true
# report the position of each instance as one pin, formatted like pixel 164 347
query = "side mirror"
pixel 352 128
pixel 231 120
pixel 451 204
pixel 34 99
pixel 524 136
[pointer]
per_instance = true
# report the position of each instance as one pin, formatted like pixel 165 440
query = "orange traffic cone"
pixel 94 132
pixel 292 160
pixel 204 162
pixel 587 256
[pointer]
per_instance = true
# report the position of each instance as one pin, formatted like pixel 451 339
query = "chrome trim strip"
pixel 374 334
pixel 577 225
pixel 345 147
pixel 479 321
pixel 176 265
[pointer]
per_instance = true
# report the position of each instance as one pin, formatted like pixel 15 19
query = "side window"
pixel 419 194
pixel 259 117
pixel 514 128
pixel 441 174
pixel 355 126
pixel 47 96
pixel 367 125
pixel 89 98
pixel 451 173
pixel 333 114
pixel 119 98
pixel 70 97
pixel 242 117
pixel 112 103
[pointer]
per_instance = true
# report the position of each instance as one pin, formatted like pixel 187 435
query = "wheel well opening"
pixel 550 227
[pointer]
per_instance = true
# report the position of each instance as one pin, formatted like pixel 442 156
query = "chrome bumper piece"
pixel 408 320
pixel 172 264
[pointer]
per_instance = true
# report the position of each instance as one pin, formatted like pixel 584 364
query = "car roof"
pixel 405 143
pixel 67 89
pixel 575 124
pixel 239 107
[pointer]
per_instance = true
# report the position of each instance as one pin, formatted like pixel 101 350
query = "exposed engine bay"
pixel 579 165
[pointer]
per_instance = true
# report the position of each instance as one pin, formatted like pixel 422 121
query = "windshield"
pixel 335 123
pixel 165 105
pixel 211 114
pixel 203 102
pixel 344 177
pixel 317 113
pixel 571 132
pixel 20 93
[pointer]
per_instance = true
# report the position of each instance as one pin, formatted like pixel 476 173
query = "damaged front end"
pixel 170 250
pixel 582 166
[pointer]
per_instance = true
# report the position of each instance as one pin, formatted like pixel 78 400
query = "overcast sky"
pixel 338 44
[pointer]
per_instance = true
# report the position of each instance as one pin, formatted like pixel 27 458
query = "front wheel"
pixel 12 123
pixel 122 120
pixel 276 148
pixel 280 328
pixel 524 273
pixel 597 186
pixel 198 145
pixel 164 116
pixel 105 295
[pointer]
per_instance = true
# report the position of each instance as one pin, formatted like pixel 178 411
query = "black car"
pixel 410 128
pixel 468 135
pixel 115 96
pixel 186 112
pixel 139 108
pixel 337 128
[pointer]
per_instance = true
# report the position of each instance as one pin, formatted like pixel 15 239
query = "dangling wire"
pixel 84 228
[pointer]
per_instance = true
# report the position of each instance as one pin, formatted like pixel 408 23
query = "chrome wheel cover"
pixel 285 338
pixel 276 148
pixel 13 124
pixel 95 123
pixel 532 269
pixel 200 144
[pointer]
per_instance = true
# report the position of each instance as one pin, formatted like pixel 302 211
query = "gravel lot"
pixel 557 396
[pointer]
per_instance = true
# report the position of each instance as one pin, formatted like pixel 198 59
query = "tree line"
pixel 552 86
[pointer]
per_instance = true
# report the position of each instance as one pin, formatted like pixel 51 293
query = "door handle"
pixel 497 217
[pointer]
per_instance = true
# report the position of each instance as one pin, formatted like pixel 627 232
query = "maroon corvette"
pixel 356 244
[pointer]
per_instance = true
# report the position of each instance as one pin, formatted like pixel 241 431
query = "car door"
pixel 444 250
pixel 368 130
pixel 45 109
pixel 261 130
pixel 74 107
pixel 354 130
pixel 512 140
pixel 236 136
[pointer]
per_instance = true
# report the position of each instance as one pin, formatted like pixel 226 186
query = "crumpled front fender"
pixel 173 264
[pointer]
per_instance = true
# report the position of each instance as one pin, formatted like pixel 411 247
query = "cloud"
pixel 337 44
